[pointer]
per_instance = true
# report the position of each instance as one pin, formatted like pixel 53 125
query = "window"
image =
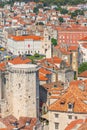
pixel 19 85
pixel 56 125
pixel 56 115
pixel 49 38
pixel 49 94
pixel 4 80
pixel 75 117
pixel 70 116
pixel 70 105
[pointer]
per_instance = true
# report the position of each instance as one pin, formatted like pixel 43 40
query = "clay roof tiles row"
pixel 22 38
pixel 73 95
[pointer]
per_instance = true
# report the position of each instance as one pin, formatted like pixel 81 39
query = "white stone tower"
pixel 22 92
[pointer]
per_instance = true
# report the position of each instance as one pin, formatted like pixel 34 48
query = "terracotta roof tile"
pixel 74 95
pixel 42 77
pixel 20 60
pixel 22 38
pixel 73 48
pixel 73 124
pixel 84 39
pixel 17 60
pixel 44 71
pixel 83 74
pixel 21 123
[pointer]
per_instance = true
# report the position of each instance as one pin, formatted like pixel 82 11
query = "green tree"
pixel 82 67
pixel 61 20
pixel 39 23
pixel 63 11
pixel 36 10
pixel 62 2
pixel 54 41
pixel 36 55
pixel 76 13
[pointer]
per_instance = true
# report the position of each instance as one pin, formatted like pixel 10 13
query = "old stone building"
pixel 69 54
pixel 74 51
pixel 19 90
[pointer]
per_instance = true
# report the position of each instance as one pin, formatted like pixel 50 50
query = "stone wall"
pixel 22 90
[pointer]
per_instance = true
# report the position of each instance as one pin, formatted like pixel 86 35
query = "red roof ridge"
pixel 22 38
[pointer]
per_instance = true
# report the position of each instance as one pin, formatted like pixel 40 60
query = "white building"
pixel 28 45
pixel 25 44
pixel 83 50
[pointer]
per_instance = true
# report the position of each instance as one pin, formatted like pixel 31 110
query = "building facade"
pixel 29 45
pixel 71 35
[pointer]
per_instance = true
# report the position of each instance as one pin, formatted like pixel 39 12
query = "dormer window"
pixel 62 102
pixel 70 107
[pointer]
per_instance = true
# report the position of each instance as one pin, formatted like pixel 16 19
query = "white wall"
pixel 22 47
pixel 23 91
pixel 62 119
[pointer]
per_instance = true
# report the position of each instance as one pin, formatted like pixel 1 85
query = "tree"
pixel 36 10
pixel 54 41
pixel 76 13
pixel 39 23
pixel 61 20
pixel 63 11
pixel 61 2
pixel 36 55
pixel 82 67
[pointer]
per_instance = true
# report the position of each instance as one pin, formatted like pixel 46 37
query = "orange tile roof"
pixel 2 66
pixel 22 38
pixel 3 129
pixel 50 86
pixel 73 48
pixel 9 120
pixel 73 27
pixel 17 60
pixel 84 39
pixel 53 60
pixel 73 124
pixel 20 60
pixel 44 71
pixel 64 51
pixel 54 89
pixel 73 95
pixel 83 74
pixel 42 77
pixel 83 126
